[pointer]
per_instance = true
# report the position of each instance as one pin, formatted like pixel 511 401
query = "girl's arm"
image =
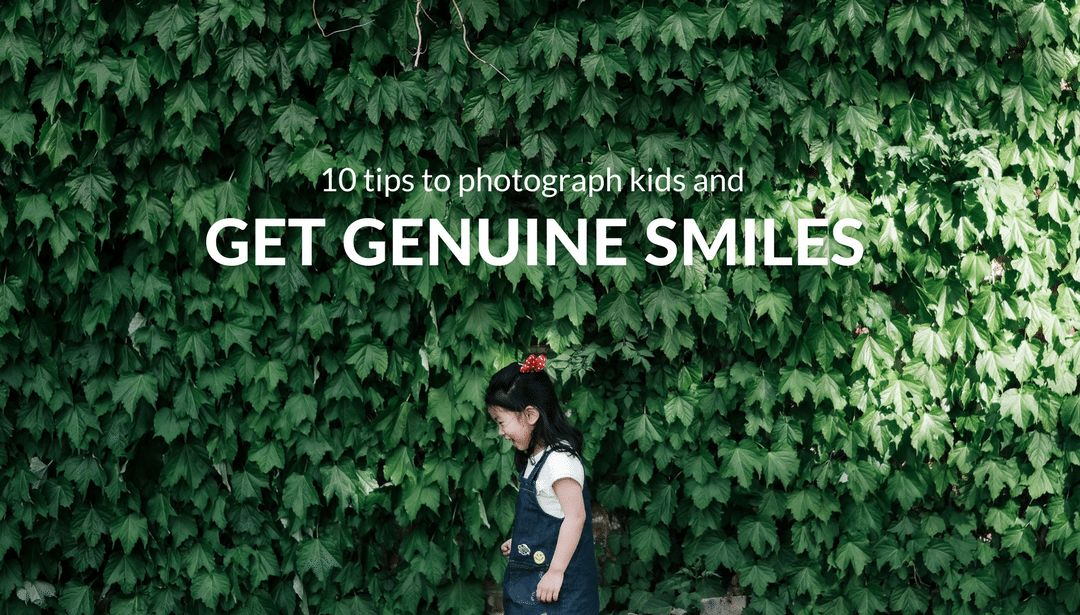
pixel 573 504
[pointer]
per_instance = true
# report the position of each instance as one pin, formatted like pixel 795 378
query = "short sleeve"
pixel 558 465
pixel 561 465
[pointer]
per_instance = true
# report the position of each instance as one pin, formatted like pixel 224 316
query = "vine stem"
pixel 461 18
pixel 419 35
pixel 324 33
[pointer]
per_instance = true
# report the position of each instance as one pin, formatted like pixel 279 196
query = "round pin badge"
pixel 538 557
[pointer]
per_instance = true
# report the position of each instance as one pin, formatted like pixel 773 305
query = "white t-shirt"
pixel 558 465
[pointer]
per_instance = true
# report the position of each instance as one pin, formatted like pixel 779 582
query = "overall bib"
pixel 533 544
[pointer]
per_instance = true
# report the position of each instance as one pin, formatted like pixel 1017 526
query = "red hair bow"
pixel 535 363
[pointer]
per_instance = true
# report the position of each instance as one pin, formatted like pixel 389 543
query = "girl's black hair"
pixel 512 390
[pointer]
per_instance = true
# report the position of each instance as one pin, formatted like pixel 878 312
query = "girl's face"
pixel 516 427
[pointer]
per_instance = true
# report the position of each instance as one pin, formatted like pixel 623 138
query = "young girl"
pixel 552 567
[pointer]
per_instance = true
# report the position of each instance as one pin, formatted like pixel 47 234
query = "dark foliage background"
pixel 180 436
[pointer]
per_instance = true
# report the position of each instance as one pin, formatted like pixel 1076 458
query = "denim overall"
pixel 532 546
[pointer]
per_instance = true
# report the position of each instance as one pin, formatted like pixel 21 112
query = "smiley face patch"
pixel 539 557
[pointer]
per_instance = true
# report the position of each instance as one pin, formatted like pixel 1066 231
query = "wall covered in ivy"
pixel 897 434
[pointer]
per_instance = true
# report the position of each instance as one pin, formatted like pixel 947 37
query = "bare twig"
pixel 325 33
pixel 466 41
pixel 419 35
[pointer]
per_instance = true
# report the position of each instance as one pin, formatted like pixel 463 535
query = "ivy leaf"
pixel 621 312
pixel 34 208
pixel 52 86
pixel 76 599
pixel 128 390
pixel 761 534
pixel 554 42
pixel 740 462
pixel 757 575
pixel 187 98
pixel 129 529
pixel 854 552
pixel 244 60
pixel 680 406
pixel 907 487
pixel 856 15
pixel 909 599
pixel 308 53
pixel 685 25
pixel 665 301
pixel 638 25
pixel 18 46
pixel 648 540
pixel 292 119
pixel 313 555
pixel 776 302
pixel 907 19
pixel 1044 20
pixel 1023 98
pixel 167 22
pixel 575 303
pixel 89 186
pixel 209 586
pixel 16 128
pixel 299 494
pixel 781 464
pixel 754 13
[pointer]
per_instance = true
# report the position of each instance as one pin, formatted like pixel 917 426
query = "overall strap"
pixel 536 468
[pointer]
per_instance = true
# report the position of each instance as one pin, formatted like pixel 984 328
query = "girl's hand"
pixel 550 584
pixel 506 547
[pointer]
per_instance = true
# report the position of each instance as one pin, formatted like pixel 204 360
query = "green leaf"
pixel 575 303
pixel 129 529
pixel 18 46
pixel 621 312
pixel 292 119
pixel 648 540
pixel 758 576
pixel 134 79
pixel 367 357
pixel 1044 20
pixel 209 586
pixel 684 25
pixel 755 13
pixel 665 301
pixel 740 462
pixel 638 25
pixel 76 599
pixel 90 186
pixel 16 128
pixel 167 22
pixel 299 494
pixel 313 555
pixel 907 19
pixel 932 432
pixel 854 552
pixel 52 86
pixel 680 406
pixel 1023 98
pixel 554 42
pixel 128 390
pixel 909 599
pixel 269 456
pixel 781 464
pixel 907 487
pixel 187 98
pixel 776 302
pixel 856 15
pixel 761 534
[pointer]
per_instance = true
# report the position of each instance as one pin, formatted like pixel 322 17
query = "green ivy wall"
pixel 898 436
